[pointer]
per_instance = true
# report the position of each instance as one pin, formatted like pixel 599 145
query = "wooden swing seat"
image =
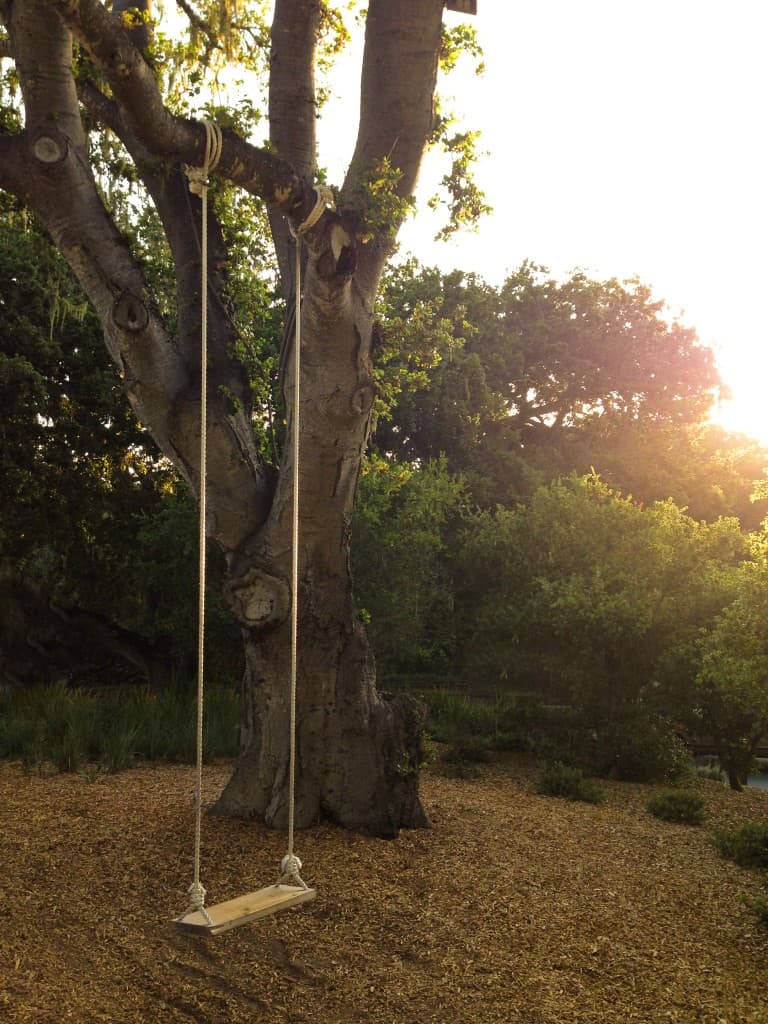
pixel 243 909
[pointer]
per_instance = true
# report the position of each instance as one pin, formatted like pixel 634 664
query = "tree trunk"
pixel 357 755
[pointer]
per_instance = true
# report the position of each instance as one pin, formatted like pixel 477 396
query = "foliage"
pixel 589 596
pixel 403 517
pixel 87 508
pixel 569 782
pixel 542 378
pixel 746 846
pixel 713 772
pixel 473 727
pixel 679 806
pixel 472 750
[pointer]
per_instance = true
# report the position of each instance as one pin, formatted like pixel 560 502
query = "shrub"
pixel 472 750
pixel 746 846
pixel 686 808
pixel 453 717
pixel 760 905
pixel 563 780
pixel 475 726
pixel 635 747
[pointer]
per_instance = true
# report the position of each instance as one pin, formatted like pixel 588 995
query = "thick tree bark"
pixel 358 755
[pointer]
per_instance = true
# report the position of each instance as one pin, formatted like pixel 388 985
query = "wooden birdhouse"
pixel 463 6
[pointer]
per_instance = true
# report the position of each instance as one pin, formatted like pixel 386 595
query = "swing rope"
pixel 290 865
pixel 198 184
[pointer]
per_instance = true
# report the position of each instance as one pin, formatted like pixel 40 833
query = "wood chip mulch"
pixel 513 909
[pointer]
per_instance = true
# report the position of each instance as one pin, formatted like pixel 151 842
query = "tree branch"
pixel 199 23
pixel 402 44
pixel 161 379
pixel 292 107
pixel 5 48
pixel 177 139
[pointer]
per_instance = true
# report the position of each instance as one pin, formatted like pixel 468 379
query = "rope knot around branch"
pixel 323 201
pixel 199 176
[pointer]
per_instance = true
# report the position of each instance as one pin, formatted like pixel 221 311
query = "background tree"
pixel 78 65
pixel 538 379
pixel 403 536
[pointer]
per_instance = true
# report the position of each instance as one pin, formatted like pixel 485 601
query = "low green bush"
pixel 746 846
pixel 674 805
pixel 471 750
pixel 566 781
pixel 760 906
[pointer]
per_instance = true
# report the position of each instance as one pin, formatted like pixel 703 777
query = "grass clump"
pixel 712 772
pixel 569 782
pixel 71 730
pixel 746 846
pixel 677 806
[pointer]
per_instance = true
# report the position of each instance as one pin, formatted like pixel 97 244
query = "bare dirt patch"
pixel 513 908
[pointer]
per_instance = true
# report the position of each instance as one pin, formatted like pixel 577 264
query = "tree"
pixel 78 66
pixel 540 378
pixel 402 534
pixel 77 477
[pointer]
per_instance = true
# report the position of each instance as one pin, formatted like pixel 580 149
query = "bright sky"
pixel 627 138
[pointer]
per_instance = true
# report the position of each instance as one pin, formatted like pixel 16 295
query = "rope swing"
pixel 282 895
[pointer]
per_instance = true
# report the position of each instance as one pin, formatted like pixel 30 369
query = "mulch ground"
pixel 513 908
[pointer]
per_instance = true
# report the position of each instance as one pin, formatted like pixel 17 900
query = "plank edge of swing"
pixel 243 909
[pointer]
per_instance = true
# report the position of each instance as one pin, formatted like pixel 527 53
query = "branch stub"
pixel 49 148
pixel 258 599
pixel 130 313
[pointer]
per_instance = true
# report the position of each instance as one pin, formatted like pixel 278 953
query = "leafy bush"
pixel 506 722
pixel 455 717
pixel 473 749
pixel 566 781
pixel 746 846
pixel 639 748
pixel 686 808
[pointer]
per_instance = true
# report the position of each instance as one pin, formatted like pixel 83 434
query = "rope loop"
pixel 323 201
pixel 199 176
